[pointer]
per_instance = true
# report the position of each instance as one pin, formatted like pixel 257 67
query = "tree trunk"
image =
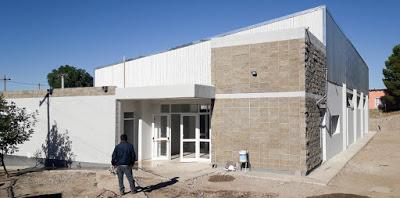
pixel 4 165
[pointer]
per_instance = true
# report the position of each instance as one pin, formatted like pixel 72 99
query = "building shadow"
pixel 159 185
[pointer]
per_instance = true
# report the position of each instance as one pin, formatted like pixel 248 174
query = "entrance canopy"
pixel 165 92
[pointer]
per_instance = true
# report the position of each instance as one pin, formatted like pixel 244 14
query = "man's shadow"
pixel 159 185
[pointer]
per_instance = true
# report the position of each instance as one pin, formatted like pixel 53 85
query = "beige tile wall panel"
pixel 271 129
pixel 279 66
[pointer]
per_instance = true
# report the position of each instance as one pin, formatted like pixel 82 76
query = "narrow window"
pixel 334 127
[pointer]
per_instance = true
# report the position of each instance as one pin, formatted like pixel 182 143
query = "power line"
pixel 27 84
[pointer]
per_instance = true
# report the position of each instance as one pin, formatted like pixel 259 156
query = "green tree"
pixel 392 80
pixel 16 127
pixel 73 77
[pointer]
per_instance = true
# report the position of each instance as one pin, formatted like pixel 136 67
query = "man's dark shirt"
pixel 124 154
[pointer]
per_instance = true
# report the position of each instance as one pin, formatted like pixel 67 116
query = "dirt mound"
pixel 338 195
pixel 221 178
pixel 106 193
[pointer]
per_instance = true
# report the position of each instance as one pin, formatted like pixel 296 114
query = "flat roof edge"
pixel 66 92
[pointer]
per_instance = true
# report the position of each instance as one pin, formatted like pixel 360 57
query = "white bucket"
pixel 243 156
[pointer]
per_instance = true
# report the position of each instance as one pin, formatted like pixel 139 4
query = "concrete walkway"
pixel 174 168
pixel 320 176
pixel 333 166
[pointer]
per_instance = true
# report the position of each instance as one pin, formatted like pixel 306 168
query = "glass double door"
pixel 194 138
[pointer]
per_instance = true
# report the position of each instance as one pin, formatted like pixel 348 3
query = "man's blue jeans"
pixel 127 170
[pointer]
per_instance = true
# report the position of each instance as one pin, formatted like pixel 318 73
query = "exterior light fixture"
pixel 105 89
pixel 254 73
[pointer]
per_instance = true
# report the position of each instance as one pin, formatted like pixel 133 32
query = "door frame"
pixel 156 140
pixel 196 140
pixel 205 140
pixel 189 140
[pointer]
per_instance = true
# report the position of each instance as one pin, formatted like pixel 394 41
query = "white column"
pixel 62 81
pixel 344 116
pixel 355 114
pixel 153 149
pixel 361 107
pixel 366 129
pixel 118 121
pixel 366 114
pixel 324 131
pixel 140 139
pixel 181 140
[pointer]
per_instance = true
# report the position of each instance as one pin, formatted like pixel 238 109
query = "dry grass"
pixel 377 114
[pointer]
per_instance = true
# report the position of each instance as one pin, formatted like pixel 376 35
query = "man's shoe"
pixel 134 191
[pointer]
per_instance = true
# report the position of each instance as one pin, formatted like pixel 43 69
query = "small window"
pixel 204 108
pixel 334 127
pixel 349 102
pixel 128 115
pixel 364 102
pixel 165 108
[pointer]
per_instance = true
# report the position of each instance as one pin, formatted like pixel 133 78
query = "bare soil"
pixel 221 178
pixel 373 172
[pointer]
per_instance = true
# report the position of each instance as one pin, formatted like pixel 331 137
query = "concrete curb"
pixel 323 174
pixel 329 169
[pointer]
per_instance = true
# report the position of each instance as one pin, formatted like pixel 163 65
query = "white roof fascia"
pixel 166 92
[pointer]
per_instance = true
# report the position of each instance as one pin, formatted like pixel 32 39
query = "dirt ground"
pixel 373 172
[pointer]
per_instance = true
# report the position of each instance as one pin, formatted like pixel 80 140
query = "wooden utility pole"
pixel 5 79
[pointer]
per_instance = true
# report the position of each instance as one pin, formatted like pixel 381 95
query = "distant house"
pixel 375 96
pixel 292 91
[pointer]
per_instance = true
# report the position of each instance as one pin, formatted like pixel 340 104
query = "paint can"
pixel 243 156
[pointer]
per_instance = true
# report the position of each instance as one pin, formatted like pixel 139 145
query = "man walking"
pixel 123 158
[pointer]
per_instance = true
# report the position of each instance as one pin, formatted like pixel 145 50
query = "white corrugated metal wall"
pixel 312 20
pixel 187 65
pixel 192 64
pixel 109 76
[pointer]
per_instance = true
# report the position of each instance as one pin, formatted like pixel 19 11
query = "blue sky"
pixel 38 36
